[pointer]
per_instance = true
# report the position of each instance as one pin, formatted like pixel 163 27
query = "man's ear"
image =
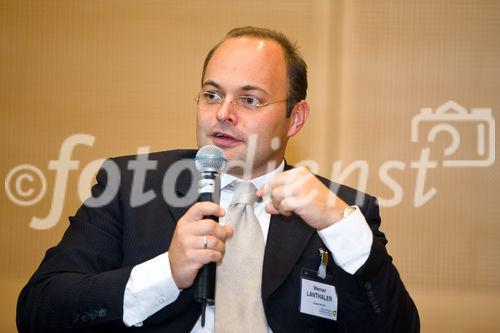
pixel 298 118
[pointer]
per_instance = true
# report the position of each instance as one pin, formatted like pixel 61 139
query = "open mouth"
pixel 223 136
pixel 224 139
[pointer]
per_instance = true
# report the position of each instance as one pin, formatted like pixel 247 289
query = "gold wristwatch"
pixel 348 211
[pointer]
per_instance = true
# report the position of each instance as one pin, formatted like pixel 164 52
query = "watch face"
pixel 348 211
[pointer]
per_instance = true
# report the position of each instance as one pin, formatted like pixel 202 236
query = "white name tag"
pixel 318 299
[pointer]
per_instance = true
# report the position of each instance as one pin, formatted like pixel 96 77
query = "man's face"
pixel 246 67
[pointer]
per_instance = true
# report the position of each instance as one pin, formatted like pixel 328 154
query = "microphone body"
pixel 205 280
pixel 210 162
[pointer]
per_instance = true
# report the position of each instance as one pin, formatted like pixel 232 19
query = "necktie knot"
pixel 244 194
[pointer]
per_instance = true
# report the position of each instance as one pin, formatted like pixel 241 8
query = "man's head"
pixel 295 66
pixel 244 96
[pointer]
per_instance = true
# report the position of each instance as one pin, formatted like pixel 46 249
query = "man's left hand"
pixel 299 191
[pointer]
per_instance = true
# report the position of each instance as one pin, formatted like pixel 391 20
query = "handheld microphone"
pixel 210 162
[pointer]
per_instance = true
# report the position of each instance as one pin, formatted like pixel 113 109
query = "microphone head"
pixel 210 158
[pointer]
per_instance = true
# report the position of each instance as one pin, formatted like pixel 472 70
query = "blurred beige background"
pixel 126 72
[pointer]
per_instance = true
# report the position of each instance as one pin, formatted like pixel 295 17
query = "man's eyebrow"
pixel 250 87
pixel 210 83
pixel 247 87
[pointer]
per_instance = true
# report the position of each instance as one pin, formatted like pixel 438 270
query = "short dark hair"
pixel 296 66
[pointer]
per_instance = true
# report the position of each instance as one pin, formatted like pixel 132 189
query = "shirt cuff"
pixel 149 289
pixel 349 240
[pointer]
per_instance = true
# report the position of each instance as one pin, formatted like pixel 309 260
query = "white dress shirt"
pixel 151 286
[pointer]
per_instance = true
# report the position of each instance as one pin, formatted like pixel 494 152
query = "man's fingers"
pixel 201 209
pixel 285 184
pixel 298 175
pixel 200 257
pixel 280 193
pixel 213 244
pixel 288 205
pixel 271 209
pixel 229 232
pixel 207 227
pixel 211 256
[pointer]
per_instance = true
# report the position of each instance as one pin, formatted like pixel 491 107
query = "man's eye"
pixel 250 101
pixel 212 97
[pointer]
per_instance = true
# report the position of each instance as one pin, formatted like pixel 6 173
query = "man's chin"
pixel 233 155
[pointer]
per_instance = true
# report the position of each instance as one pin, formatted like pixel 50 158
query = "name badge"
pixel 318 297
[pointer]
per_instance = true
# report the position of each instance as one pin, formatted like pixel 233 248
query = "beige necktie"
pixel 238 301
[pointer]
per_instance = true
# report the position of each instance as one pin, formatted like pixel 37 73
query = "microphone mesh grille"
pixel 210 158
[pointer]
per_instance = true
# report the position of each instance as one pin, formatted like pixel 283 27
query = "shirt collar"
pixel 227 179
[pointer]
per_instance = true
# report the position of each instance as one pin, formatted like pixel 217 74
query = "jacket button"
pixel 368 286
pixel 102 313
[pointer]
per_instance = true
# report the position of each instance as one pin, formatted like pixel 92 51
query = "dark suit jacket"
pixel 80 283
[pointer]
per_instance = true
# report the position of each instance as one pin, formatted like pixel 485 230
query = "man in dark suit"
pixel 122 266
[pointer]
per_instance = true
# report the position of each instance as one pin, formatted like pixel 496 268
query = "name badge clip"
pixel 324 262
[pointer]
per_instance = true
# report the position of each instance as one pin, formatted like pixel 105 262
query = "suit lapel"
pixel 287 238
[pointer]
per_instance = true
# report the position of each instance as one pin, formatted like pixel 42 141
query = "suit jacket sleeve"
pixel 376 292
pixel 80 281
pixel 80 284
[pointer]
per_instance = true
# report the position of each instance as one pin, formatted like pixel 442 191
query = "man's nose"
pixel 227 111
